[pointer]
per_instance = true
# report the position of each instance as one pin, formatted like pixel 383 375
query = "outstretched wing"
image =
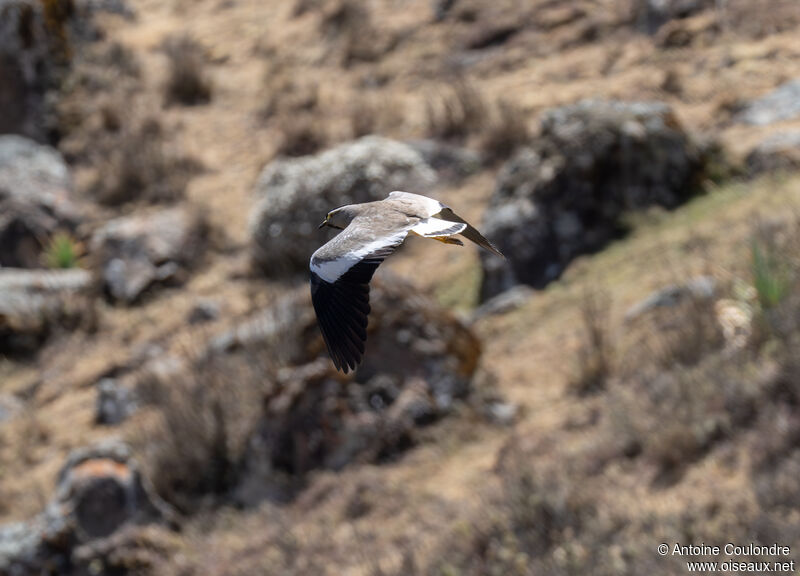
pixel 340 275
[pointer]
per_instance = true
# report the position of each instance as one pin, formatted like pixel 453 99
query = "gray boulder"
pixel 294 195
pixel 115 402
pixel 699 288
pixel 33 303
pixel 419 361
pixel 452 163
pixel 35 189
pixel 776 153
pixel 783 103
pixel 143 250
pixel 565 197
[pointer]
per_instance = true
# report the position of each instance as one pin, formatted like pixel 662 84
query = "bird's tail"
pixel 470 233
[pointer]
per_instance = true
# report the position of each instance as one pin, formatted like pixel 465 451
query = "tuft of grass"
pixel 62 252
pixel 350 22
pixel 595 354
pixel 206 415
pixel 187 81
pixel 770 276
pixel 302 136
pixel 144 168
pixel 460 111
pixel 506 133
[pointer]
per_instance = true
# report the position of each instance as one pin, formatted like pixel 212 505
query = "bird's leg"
pixel 448 240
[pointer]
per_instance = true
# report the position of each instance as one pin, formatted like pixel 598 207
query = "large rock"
pixel 419 360
pixel 35 302
pixel 100 490
pixel 143 250
pixel 294 195
pixel 776 153
pixel 35 188
pixel 115 402
pixel 783 103
pixel 593 162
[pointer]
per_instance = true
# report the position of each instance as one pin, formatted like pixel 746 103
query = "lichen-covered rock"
pixel 100 490
pixel 294 195
pixel 419 360
pixel 594 161
pixel 35 302
pixel 783 103
pixel 452 163
pixel 115 402
pixel 140 251
pixel 35 188
pixel 779 152
pixel 699 288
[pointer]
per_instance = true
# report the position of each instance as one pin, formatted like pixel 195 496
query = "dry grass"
pixel 287 93
pixel 143 168
pixel 187 80
pixel 595 356
pixel 302 135
pixel 349 24
pixel 206 415
pixel 506 132
pixel 459 111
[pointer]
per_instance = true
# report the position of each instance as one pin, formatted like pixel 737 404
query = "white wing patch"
pixel 431 227
pixel 331 270
pixel 427 205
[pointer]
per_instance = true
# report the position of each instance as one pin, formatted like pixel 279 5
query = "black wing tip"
pixel 342 310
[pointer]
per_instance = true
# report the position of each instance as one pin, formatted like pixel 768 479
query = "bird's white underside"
pixel 331 270
pixel 437 227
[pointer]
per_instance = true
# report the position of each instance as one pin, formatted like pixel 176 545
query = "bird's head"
pixel 340 217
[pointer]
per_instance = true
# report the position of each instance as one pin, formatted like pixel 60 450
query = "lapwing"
pixel 342 269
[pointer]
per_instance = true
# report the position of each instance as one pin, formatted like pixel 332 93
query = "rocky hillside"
pixel 628 377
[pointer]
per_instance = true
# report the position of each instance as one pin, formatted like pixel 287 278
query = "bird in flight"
pixel 342 268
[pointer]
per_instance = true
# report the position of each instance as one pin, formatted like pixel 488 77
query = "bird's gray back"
pixel 375 221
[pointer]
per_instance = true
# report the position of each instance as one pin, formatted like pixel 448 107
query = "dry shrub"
pixel 364 119
pixel 676 416
pixel 539 522
pixel 121 60
pixel 350 24
pixel 187 81
pixel 459 112
pixel 288 92
pixel 96 96
pixel 376 114
pixel 143 167
pixel 206 415
pixel 595 354
pixel 507 132
pixel 683 334
pixel 302 136
pixel 301 7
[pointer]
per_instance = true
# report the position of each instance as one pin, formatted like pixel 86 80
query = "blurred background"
pixel 630 376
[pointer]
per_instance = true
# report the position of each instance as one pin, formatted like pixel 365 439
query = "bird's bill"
pixel 324 223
